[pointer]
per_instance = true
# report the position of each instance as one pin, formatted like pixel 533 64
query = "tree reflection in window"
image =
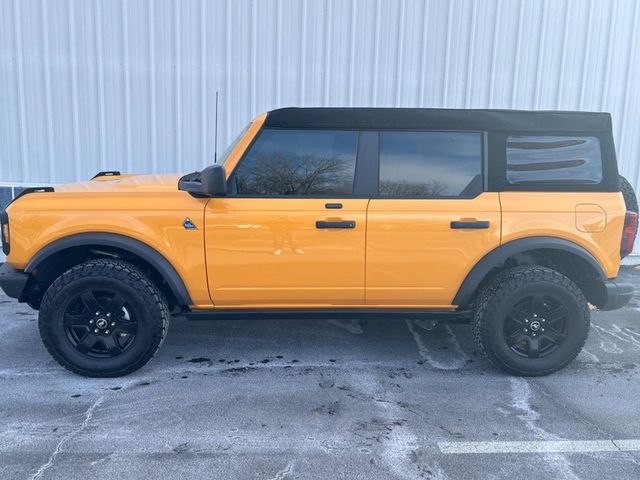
pixel 430 164
pixel 299 162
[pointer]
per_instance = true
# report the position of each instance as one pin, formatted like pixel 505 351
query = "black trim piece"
pixel 4 220
pixel 618 295
pixel 136 247
pixel 109 173
pixel 341 224
pixel 437 118
pixel 333 206
pixel 496 258
pixel 319 313
pixel 29 190
pixel 366 182
pixel 12 281
pixel 470 225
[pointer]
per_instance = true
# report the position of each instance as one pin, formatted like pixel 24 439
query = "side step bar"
pixel 282 314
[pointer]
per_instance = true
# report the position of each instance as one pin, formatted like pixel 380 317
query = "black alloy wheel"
pixel 536 326
pixel 99 324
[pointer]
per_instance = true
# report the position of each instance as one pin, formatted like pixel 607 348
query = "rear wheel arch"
pixel 565 256
pixel 64 253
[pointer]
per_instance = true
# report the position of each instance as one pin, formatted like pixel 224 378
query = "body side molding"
pixel 497 256
pixel 131 245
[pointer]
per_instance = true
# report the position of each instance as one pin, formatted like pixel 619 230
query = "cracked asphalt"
pixel 316 399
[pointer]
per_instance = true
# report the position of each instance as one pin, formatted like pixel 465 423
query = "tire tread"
pixel 497 289
pixel 135 279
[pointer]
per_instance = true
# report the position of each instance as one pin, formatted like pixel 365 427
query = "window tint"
pixel 430 164
pixel 553 159
pixel 299 162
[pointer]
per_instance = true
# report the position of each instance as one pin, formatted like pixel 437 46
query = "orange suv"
pixel 513 220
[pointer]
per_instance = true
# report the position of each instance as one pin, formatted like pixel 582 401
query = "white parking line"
pixel 541 446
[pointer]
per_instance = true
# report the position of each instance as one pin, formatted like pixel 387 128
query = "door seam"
pixel 366 236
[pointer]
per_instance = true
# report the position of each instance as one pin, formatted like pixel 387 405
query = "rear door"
pixel 292 231
pixel 431 220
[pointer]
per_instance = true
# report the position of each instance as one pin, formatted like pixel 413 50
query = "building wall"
pixel 107 84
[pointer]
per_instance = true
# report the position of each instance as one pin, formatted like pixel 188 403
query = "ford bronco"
pixel 515 221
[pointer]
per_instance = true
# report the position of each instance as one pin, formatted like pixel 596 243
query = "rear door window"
pixel 430 164
pixel 553 160
pixel 288 162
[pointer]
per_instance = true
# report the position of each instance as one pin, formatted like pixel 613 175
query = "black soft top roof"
pixel 439 118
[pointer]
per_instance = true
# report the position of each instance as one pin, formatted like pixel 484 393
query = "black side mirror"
pixel 211 182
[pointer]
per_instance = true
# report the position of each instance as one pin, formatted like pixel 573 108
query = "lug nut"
pixel 113 324
pixel 91 322
pixel 97 313
pixel 95 331
pixel 535 314
pixel 533 334
pixel 108 314
pixel 526 320
pixel 526 330
pixel 106 332
pixel 544 320
pixel 543 329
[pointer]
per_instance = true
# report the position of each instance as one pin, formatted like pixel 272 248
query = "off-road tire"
pixel 630 199
pixel 143 297
pixel 501 294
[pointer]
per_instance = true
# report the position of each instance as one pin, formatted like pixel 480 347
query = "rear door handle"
pixel 343 224
pixel 479 224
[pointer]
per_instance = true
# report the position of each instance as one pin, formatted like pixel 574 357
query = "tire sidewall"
pixel 51 321
pixel 576 324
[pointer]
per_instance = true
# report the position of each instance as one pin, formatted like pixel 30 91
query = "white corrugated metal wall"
pixel 88 85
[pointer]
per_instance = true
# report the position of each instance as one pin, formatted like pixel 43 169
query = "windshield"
pixel 223 157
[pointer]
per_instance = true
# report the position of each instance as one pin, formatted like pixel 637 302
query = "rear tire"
pixel 103 318
pixel 531 321
pixel 630 199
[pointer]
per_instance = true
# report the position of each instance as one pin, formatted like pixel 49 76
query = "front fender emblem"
pixel 189 225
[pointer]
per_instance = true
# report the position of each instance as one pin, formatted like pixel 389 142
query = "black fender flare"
pixel 122 242
pixel 497 257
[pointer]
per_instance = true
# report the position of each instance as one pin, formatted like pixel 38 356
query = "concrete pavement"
pixel 321 399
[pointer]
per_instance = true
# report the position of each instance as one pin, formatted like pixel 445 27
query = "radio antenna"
pixel 215 134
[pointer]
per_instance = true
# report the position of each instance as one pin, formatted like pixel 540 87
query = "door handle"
pixel 476 224
pixel 342 224
pixel 333 206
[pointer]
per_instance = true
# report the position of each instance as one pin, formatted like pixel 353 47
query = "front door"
pixel 430 222
pixel 291 233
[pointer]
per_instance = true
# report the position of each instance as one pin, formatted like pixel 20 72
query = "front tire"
pixel 103 318
pixel 531 321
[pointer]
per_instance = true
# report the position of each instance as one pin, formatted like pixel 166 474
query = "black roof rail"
pixel 109 173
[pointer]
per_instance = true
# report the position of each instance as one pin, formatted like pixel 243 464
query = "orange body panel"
pixel 148 208
pixel 557 214
pixel 413 255
pixel 268 251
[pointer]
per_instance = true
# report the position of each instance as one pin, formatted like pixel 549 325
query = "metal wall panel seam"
pixel 24 149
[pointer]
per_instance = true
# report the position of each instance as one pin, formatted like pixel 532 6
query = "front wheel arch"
pixel 72 250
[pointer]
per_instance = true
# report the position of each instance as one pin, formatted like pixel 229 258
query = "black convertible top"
pixel 439 118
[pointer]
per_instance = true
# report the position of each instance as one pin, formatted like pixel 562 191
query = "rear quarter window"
pixel 570 160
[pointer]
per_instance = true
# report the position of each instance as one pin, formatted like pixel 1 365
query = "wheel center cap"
pixel 101 323
pixel 535 325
